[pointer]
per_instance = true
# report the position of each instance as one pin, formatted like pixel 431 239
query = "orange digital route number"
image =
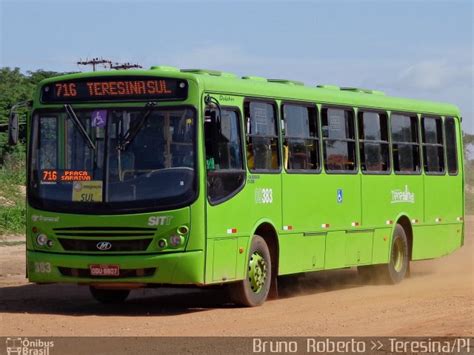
pixel 65 175
pixel 49 175
pixel 66 90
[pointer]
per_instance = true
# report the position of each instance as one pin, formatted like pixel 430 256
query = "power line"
pixel 127 65
pixel 95 61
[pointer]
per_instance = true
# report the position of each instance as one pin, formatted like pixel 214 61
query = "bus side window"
pixel 224 158
pixel 451 145
pixel 262 136
pixel 301 144
pixel 433 148
pixel 405 144
pixel 338 139
pixel 373 142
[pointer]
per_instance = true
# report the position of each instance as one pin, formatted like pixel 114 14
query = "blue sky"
pixel 419 49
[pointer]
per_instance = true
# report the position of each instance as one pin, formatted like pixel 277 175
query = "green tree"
pixel 15 87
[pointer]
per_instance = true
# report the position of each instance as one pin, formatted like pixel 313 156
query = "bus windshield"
pixel 155 171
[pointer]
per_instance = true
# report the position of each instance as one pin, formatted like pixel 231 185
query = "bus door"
pixel 228 216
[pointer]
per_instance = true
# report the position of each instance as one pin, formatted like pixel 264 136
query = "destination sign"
pixel 65 175
pixel 115 88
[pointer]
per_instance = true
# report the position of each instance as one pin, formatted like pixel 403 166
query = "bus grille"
pixel 74 272
pixel 114 245
pixel 104 232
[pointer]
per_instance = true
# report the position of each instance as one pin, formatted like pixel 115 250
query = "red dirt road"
pixel 437 300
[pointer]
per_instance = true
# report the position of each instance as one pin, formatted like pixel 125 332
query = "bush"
pixel 12 198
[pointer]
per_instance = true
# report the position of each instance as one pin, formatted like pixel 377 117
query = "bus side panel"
pixel 430 241
pixel 386 197
pixel 311 200
pixel 335 250
pixel 303 209
pixel 224 260
pixel 359 247
pixel 301 253
pixel 381 246
pixel 376 199
pixel 442 199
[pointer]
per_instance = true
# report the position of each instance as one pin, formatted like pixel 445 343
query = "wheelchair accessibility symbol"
pixel 339 196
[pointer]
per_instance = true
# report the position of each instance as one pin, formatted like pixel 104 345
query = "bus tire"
pixel 397 267
pixel 253 290
pixel 109 295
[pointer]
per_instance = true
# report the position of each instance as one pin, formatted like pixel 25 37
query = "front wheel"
pixel 109 295
pixel 254 289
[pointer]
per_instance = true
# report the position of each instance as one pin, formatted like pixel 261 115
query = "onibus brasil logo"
pixel 399 196
pixel 24 346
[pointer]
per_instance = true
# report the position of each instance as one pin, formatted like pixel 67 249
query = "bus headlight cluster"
pixel 43 240
pixel 176 240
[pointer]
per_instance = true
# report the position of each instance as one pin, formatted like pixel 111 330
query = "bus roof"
pixel 214 81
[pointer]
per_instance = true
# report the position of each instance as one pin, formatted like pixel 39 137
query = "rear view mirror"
pixel 13 128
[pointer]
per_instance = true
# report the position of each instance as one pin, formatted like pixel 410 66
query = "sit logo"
pixel 159 220
pixel 263 195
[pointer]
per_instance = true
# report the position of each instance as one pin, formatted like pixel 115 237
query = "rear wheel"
pixel 254 289
pixel 395 271
pixel 398 266
pixel 109 295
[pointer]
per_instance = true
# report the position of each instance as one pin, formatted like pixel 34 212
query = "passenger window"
pixel 451 145
pixel 301 147
pixel 433 148
pixel 262 137
pixel 225 170
pixel 338 139
pixel 373 142
pixel 405 144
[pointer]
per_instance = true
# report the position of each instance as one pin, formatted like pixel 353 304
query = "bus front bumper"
pixel 183 268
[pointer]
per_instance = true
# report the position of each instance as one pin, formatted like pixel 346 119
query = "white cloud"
pixel 435 75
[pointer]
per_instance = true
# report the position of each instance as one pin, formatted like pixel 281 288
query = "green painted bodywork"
pixel 324 233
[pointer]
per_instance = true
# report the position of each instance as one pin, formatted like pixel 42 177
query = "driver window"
pixel 225 171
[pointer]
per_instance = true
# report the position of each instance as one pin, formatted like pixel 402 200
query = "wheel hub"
pixel 257 272
pixel 398 255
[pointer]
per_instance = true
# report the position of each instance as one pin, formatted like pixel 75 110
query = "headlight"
pixel 162 243
pixel 182 230
pixel 176 240
pixel 42 239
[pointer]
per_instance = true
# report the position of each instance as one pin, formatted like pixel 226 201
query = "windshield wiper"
pixel 133 131
pixel 72 115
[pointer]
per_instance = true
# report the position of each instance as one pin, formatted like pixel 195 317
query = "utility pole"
pixel 94 62
pixel 127 65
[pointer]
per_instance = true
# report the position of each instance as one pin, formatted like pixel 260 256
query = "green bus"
pixel 141 178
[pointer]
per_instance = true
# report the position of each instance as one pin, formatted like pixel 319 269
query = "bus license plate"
pixel 104 270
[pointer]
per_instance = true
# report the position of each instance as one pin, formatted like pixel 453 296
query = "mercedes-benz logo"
pixel 104 246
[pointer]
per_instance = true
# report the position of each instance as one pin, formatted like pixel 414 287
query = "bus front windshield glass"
pixel 113 159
